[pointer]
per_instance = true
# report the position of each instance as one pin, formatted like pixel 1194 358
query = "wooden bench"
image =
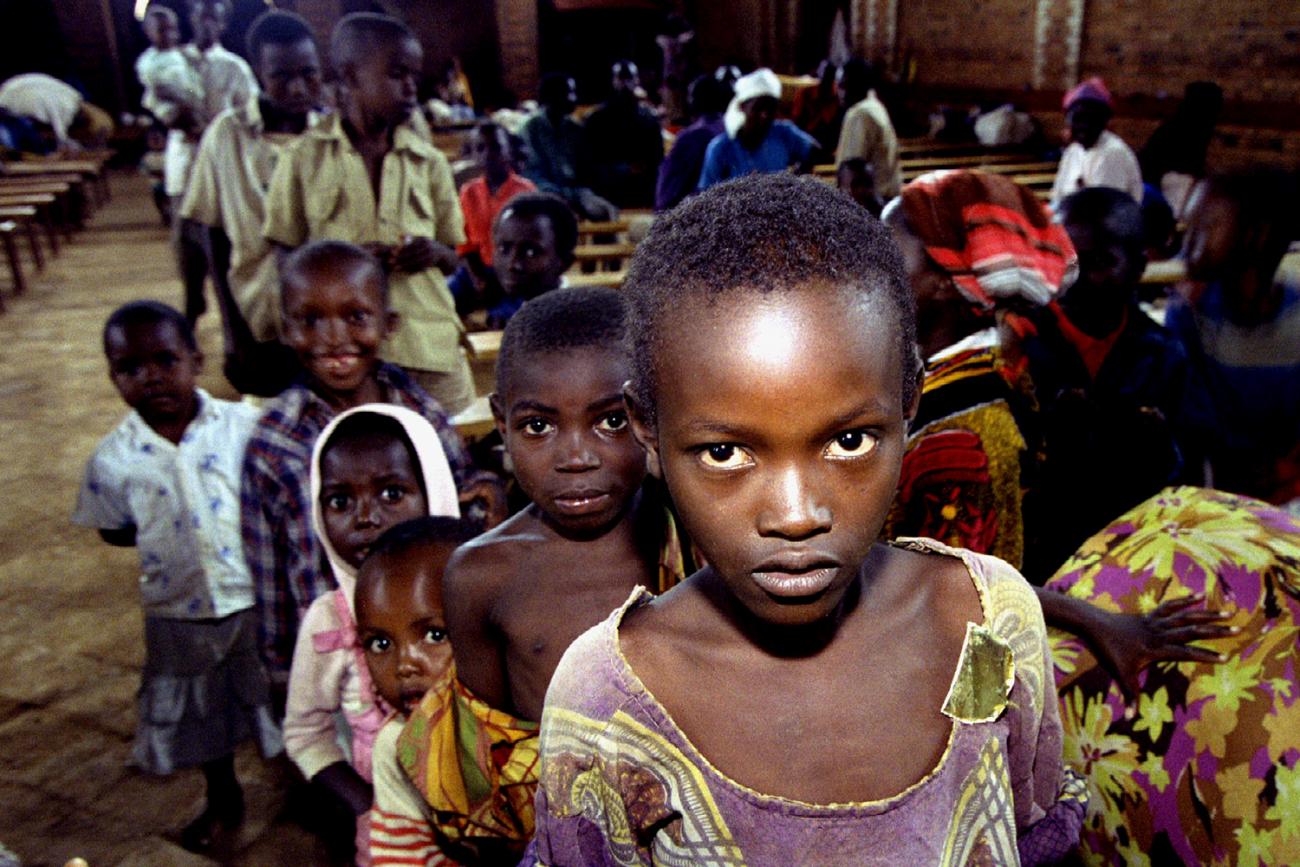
pixel 596 279
pixel 1165 273
pixel 603 253
pixel 483 345
pixel 475 421
pixel 589 229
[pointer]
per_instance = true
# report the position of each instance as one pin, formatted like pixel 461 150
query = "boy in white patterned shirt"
pixel 166 480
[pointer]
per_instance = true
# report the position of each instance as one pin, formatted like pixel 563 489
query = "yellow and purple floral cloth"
pixel 1204 766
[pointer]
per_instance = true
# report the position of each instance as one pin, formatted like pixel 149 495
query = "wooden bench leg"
pixel 15 264
pixel 34 241
pixel 51 228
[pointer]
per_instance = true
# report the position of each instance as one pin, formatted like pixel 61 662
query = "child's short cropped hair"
pixel 150 313
pixel 276 27
pixel 359 34
pixel 558 320
pixel 564 224
pixel 427 530
pixel 318 256
pixel 762 233
pixel 1111 210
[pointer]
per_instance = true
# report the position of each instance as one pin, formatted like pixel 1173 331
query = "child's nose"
pixel 577 454
pixel 794 507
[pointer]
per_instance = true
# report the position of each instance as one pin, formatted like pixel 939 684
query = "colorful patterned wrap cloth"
pixel 1204 767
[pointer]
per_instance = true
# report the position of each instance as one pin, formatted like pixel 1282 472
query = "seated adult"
pixel 679 174
pixel 1095 157
pixel 754 140
pixel 624 142
pixel 1239 319
pixel 555 144
pixel 64 119
pixel 1173 159
pixel 867 133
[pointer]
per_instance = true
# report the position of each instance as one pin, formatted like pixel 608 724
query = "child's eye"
pixel 337 502
pixel 435 635
pixel 359 317
pixel 613 422
pixel 724 456
pixel 536 427
pixel 392 494
pixel 850 444
pixel 377 644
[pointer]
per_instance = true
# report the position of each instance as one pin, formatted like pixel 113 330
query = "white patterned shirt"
pixel 183 501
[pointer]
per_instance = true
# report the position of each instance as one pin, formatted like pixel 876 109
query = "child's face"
pixel 208 20
pixel 565 427
pixel 163 30
pixel 367 486
pixel 1106 273
pixel 524 255
pixel 385 85
pixel 290 76
pixel 491 151
pixel 400 623
pixel 781 439
pixel 154 370
pixel 335 320
pixel 1087 120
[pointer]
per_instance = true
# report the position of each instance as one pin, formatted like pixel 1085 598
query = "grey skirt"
pixel 202 693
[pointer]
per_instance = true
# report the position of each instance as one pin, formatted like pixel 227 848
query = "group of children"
pixel 692 645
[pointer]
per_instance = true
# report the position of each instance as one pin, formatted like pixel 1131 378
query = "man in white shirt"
pixel 228 82
pixel 867 132
pixel 1096 156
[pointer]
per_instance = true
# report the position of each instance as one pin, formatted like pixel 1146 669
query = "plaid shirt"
pixel 286 560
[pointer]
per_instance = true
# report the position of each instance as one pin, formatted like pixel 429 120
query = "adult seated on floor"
pixel 60 118
pixel 1096 157
pixel 754 140
pixel 625 142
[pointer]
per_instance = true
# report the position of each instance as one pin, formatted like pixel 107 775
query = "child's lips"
pixel 339 365
pixel 580 502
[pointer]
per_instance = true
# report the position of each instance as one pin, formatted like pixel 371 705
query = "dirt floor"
pixel 70 622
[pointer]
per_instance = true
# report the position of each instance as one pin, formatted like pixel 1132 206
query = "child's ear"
pixel 643 431
pixel 198 361
pixel 918 378
pixel 392 319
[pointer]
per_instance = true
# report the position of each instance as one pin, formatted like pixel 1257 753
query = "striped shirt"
pixel 286 560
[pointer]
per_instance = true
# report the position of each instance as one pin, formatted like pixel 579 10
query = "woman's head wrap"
pixel 991 236
pixel 760 82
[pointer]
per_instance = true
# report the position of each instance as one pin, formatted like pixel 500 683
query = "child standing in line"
pixel 518 595
pixel 402 631
pixel 373 467
pixel 166 480
pixel 334 300
pixel 171 85
pixel 371 175
pixel 810 696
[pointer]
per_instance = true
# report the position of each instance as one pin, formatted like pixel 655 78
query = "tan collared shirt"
pixel 228 186
pixel 321 189
pixel 867 133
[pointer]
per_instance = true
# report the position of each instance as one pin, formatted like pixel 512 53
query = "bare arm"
pixel 470 588
pixel 1125 644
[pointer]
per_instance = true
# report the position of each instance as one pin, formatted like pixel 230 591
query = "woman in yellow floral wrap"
pixel 1202 766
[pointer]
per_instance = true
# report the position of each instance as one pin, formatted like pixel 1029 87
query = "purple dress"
pixel 622 785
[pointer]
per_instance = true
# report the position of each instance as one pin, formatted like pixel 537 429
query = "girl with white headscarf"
pixel 755 141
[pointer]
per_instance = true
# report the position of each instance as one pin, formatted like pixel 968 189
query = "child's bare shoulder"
pixel 486 562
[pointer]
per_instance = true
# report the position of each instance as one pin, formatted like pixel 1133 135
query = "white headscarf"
pixel 439 486
pixel 760 82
